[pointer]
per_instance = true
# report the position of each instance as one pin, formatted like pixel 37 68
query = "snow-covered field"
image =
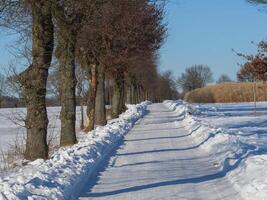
pixel 12 125
pixel 236 137
pixel 13 133
pixel 62 176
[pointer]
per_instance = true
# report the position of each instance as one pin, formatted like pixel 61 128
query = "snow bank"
pixel 63 176
pixel 250 178
pixel 230 151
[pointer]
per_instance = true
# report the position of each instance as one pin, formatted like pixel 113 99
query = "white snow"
pixel 158 159
pixel 13 133
pixel 236 137
pixel 63 175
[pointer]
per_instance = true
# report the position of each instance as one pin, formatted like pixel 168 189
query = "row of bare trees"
pixel 107 41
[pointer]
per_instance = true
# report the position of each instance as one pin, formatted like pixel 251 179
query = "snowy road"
pixel 158 159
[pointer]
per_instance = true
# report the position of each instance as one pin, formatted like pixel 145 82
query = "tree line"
pixel 106 46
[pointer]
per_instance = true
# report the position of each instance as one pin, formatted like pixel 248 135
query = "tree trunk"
pixel 34 81
pixel 128 91
pixel 147 98
pixel 122 97
pixel 128 94
pixel 108 92
pixel 66 56
pixel 136 97
pixel 100 109
pixel 117 97
pixel 139 94
pixel 91 99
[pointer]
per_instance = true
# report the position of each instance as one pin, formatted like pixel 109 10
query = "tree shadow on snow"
pixel 227 167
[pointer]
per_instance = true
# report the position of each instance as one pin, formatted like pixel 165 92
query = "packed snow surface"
pixel 159 159
pixel 62 176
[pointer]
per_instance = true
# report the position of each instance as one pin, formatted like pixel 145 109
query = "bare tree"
pixel 194 77
pixel 14 87
pixel 166 87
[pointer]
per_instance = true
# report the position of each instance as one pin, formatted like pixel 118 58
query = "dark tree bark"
pixel 108 99
pixel 68 16
pixel 65 53
pixel 34 80
pixel 115 100
pixel 128 94
pixel 122 107
pixel 100 110
pixel 118 97
pixel 91 98
pixel 136 94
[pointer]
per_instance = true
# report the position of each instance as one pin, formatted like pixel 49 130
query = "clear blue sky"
pixel 201 32
pixel 205 31
pixel 5 40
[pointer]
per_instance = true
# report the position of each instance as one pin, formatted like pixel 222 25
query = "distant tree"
pixel 166 87
pixel 194 77
pixel 224 78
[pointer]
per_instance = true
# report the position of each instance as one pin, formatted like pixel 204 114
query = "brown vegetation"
pixel 227 93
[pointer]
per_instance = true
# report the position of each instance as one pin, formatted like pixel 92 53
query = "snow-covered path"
pixel 158 159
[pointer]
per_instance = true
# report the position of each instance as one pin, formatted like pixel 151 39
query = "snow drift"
pixel 243 161
pixel 62 176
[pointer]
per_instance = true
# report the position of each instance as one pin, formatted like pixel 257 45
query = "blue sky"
pixel 206 31
pixel 6 39
pixel 200 32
